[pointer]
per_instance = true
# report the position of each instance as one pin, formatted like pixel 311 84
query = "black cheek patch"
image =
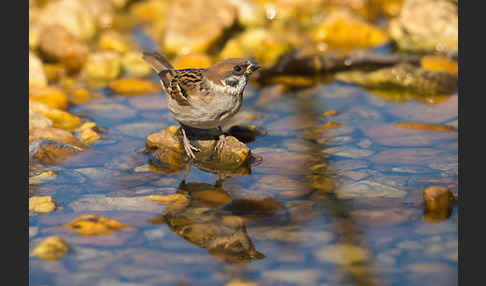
pixel 232 83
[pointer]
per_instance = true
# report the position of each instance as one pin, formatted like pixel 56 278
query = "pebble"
pixel 51 248
pixel 367 188
pixel 42 204
pixel 343 254
pixel 89 203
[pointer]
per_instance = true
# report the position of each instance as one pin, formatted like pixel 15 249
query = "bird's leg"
pixel 187 145
pixel 221 141
pixel 187 169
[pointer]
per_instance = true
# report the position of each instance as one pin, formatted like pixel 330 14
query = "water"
pixel 359 184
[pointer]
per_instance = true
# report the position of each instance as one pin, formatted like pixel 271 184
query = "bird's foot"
pixel 220 144
pixel 187 145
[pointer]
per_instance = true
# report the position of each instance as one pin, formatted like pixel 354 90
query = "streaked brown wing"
pixel 183 84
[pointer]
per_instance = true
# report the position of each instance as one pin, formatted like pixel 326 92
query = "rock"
pixel 41 204
pixel 264 46
pixel 149 11
pixel 60 119
pixel 169 150
pixel 208 22
pixel 368 189
pixel 341 29
pixel 192 60
pixel 89 203
pixel 348 152
pixel 167 199
pixel 51 96
pixel 426 26
pixel 37 76
pixel 55 134
pixel 116 42
pixel 42 177
pixel 133 65
pixel 439 63
pixel 72 15
pixel 330 113
pixel 101 67
pixel 90 225
pixel 37 120
pixel 51 248
pixel 48 151
pixel 87 133
pixel 58 44
pixel 384 217
pixel 55 71
pixel 438 203
pixel 343 254
pixel 238 282
pixel 404 77
pixel 133 86
pixel 424 126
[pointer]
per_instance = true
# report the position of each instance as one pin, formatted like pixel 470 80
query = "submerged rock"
pixel 168 149
pixel 438 203
pixel 51 248
pixel 90 225
pixel 426 26
pixel 404 77
pixel 41 204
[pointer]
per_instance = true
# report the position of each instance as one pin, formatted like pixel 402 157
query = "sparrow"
pixel 203 98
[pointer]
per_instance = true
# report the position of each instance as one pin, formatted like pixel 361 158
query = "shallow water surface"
pixel 329 204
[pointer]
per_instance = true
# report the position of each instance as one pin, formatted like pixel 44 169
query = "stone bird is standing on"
pixel 203 98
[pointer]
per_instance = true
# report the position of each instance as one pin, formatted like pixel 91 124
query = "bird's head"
pixel 232 74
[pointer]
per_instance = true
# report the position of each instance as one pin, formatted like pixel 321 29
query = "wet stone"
pixel 42 204
pixel 51 248
pixel 37 76
pixel 102 203
pixel 343 254
pixel 348 152
pixel 368 189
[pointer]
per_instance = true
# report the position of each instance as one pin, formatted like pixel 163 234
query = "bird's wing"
pixel 184 85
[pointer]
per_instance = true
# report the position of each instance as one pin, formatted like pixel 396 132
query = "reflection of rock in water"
pixel 203 223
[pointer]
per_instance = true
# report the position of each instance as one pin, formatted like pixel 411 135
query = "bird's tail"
pixel 157 61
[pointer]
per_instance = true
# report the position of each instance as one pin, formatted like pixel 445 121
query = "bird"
pixel 203 98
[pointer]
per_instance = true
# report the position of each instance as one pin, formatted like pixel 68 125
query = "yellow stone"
pixel 133 86
pixel 423 126
pixel 259 43
pixel 134 65
pixel 79 96
pixel 50 96
pixel 113 41
pixel 329 113
pixel 101 67
pixel 212 196
pixel 149 11
pixel 87 133
pixel 54 72
pixel 42 178
pixel 332 124
pixel 341 29
pixel 37 75
pixel 60 119
pixel 91 225
pixel 192 60
pixel 52 248
pixel 438 63
pixel 41 204
pixel 167 199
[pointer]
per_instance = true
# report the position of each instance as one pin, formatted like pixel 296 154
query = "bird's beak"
pixel 253 66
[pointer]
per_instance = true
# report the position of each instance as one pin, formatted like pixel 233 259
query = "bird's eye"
pixel 237 69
